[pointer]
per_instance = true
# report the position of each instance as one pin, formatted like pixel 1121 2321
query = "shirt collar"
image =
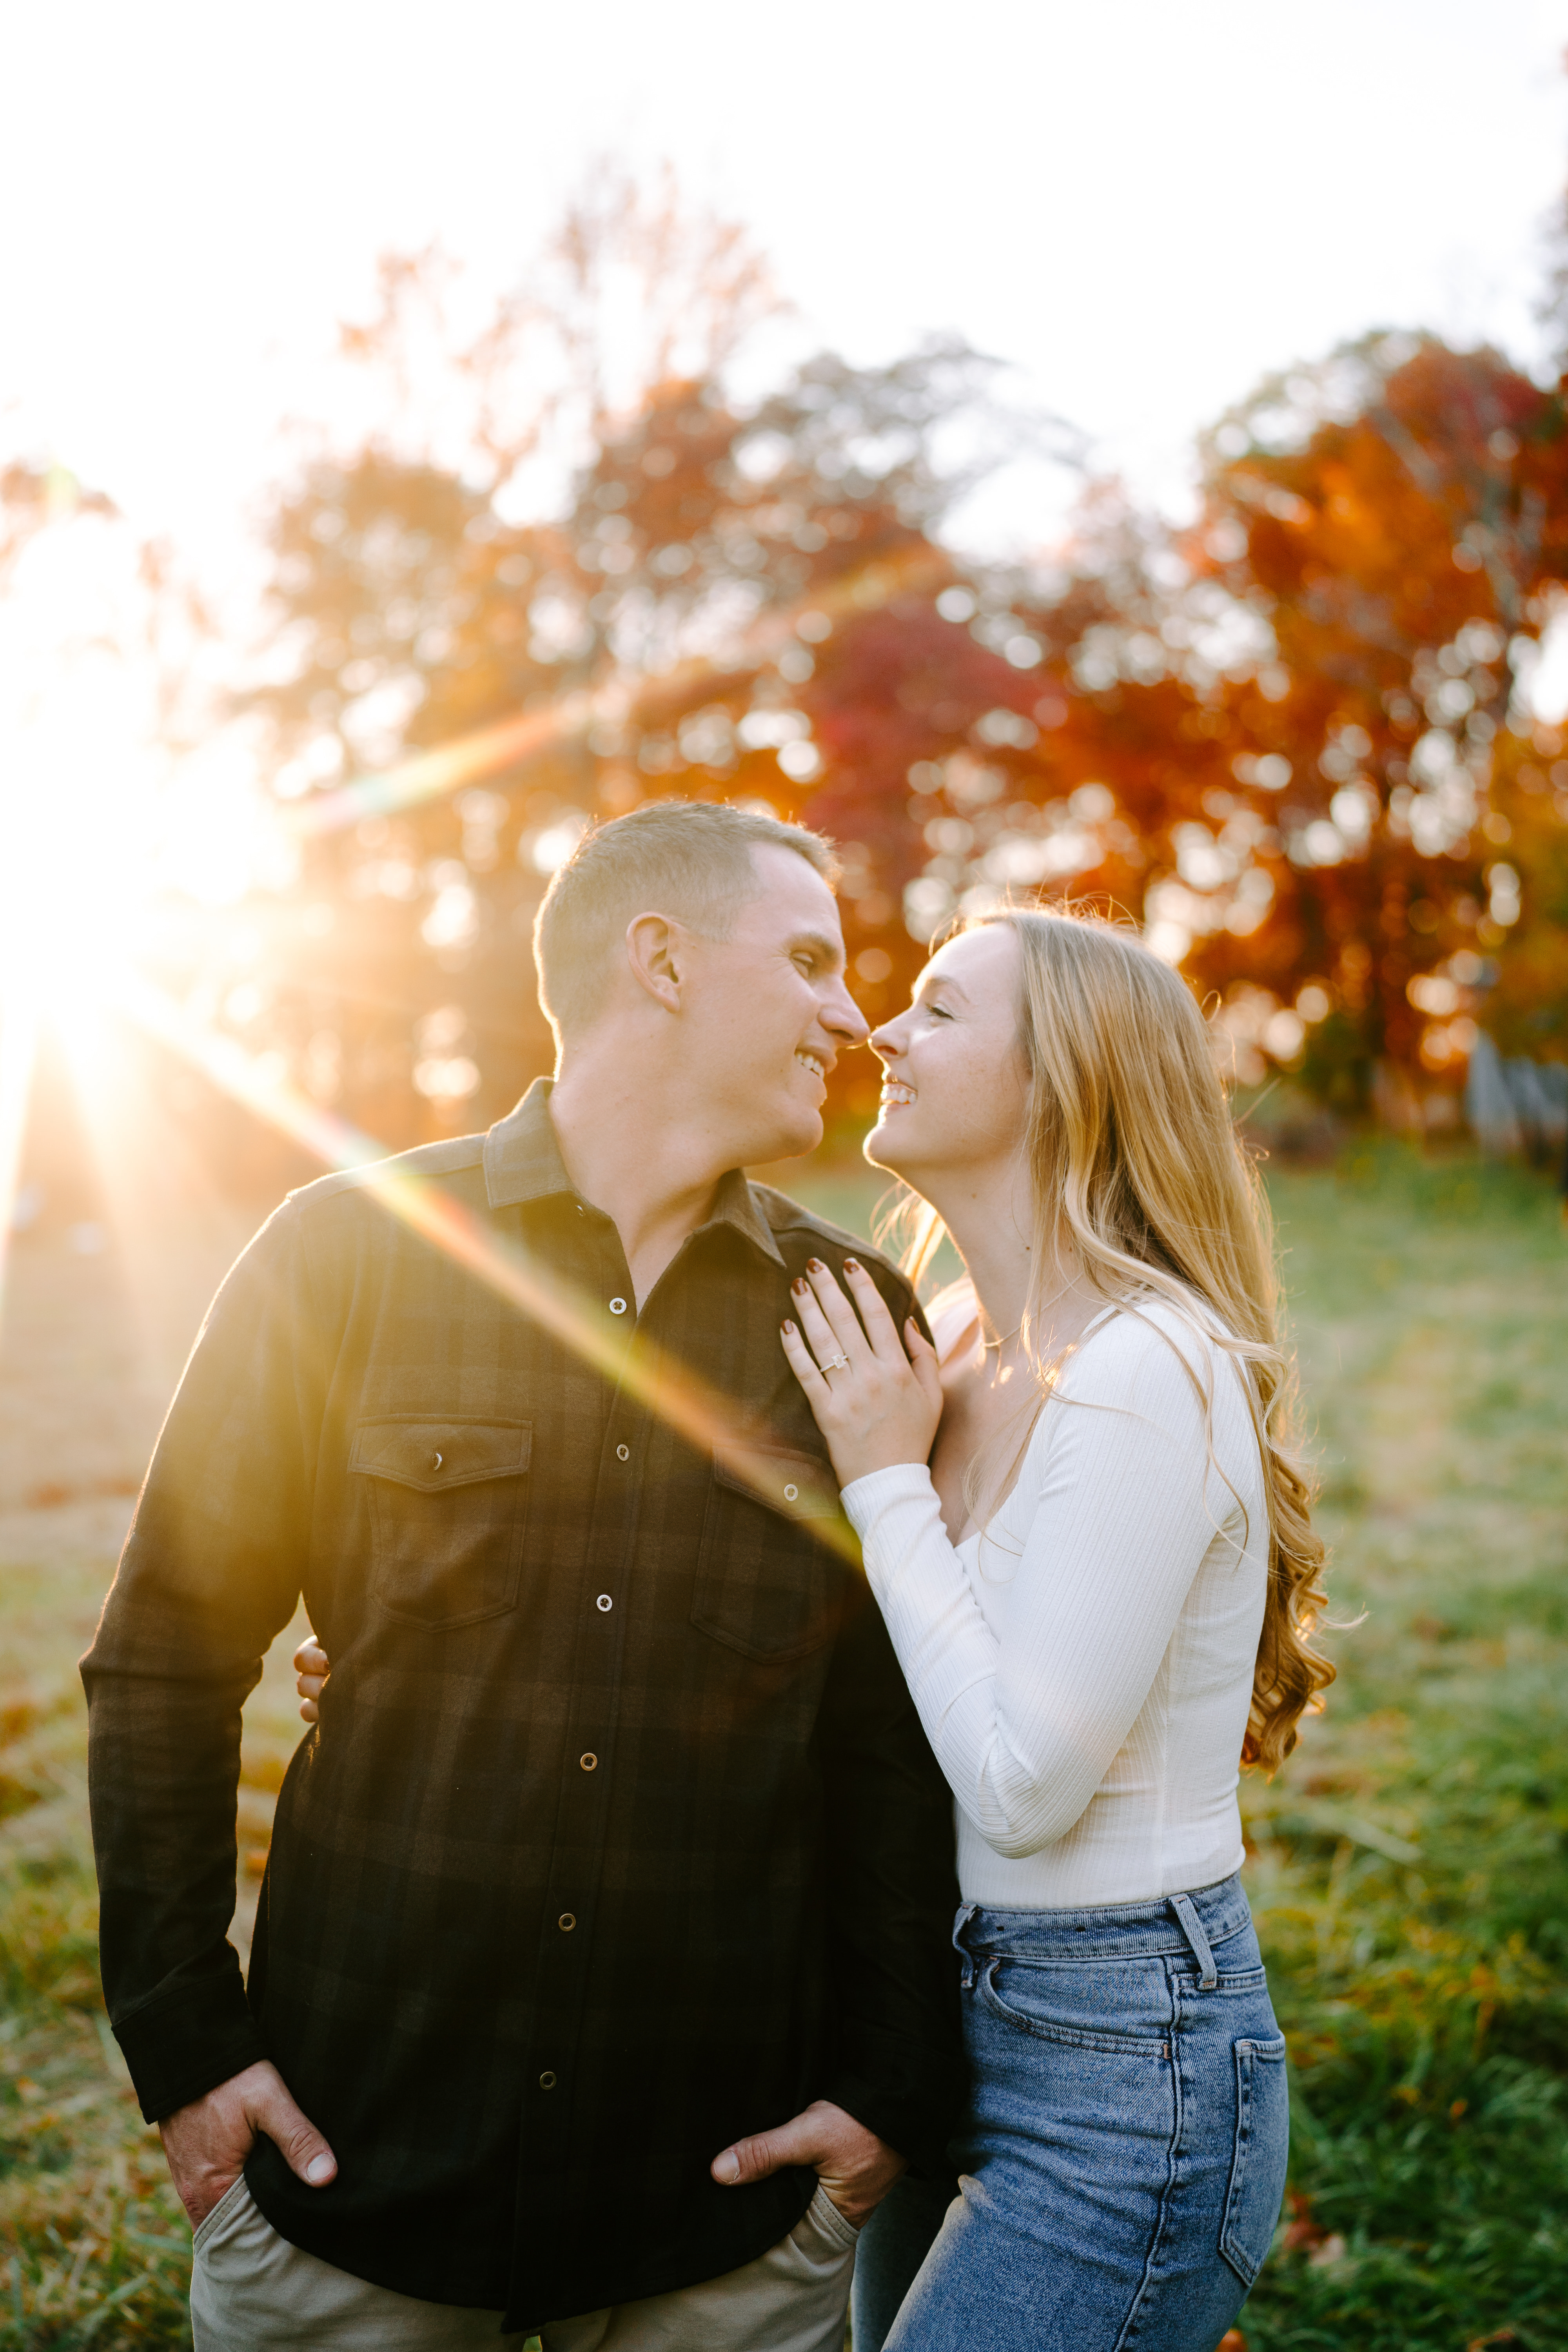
pixel 523 1163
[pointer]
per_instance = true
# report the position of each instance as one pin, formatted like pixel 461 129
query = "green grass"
pixel 1410 1871
pixel 1409 1867
pixel 94 2245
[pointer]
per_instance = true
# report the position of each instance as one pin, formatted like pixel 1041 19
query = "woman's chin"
pixel 881 1148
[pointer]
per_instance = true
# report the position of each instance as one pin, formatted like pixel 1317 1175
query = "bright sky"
pixel 1146 204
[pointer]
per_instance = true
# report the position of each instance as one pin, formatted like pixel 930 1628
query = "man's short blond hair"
pixel 691 860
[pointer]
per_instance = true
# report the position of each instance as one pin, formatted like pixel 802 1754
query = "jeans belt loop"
pixel 965 1914
pixel 1191 1927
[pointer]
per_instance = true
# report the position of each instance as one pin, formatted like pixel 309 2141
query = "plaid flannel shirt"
pixel 619 1837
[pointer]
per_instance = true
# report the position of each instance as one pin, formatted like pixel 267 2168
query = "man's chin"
pixel 793 1139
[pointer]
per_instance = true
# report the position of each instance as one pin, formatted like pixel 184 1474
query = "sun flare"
pixel 111 845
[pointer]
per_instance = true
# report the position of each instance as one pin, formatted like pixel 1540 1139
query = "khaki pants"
pixel 251 2291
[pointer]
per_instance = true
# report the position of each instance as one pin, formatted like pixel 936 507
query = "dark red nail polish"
pixel 788 1328
pixel 798 1286
pixel 851 1265
pixel 815 1266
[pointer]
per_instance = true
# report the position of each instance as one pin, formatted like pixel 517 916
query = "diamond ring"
pixel 832 1363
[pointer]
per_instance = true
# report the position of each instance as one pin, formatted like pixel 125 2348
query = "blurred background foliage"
pixel 587 550
pixel 1294 739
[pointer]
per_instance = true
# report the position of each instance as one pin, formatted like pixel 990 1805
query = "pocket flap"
pixel 431 1453
pixel 796 1486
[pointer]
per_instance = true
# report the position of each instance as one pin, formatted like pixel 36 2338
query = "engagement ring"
pixel 831 1363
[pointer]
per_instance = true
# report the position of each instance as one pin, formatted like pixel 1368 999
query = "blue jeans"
pixel 1123 2161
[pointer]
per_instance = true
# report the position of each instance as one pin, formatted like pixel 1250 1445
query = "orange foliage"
pixel 1290 743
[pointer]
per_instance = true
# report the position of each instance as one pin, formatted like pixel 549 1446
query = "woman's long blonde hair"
pixel 1135 1165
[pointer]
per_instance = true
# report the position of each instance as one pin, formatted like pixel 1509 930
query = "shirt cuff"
pixel 184 2045
pixel 865 1498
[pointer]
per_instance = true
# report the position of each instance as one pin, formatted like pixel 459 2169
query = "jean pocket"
pixel 1262 2149
pixel 1039 2001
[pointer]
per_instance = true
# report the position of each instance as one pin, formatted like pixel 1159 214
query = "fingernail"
pixel 321 2168
pixel 851 1265
pixel 788 1329
pixel 727 2166
pixel 815 1266
pixel 799 1288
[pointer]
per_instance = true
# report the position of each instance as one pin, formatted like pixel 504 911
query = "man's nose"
pixel 843 1019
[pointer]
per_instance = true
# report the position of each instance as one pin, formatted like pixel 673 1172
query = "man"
pixel 617 1842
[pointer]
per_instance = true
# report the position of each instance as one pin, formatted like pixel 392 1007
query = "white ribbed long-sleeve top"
pixel 1083 1668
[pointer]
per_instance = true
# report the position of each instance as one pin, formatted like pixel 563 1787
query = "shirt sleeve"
pixel 892 1892
pixel 1127 1504
pixel 210 1574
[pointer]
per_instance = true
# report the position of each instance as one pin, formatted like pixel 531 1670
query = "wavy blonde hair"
pixel 1135 1165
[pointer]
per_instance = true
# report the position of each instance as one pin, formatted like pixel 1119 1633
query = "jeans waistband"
pixel 1191 1924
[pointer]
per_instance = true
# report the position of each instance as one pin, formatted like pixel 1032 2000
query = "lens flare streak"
pixel 659 1382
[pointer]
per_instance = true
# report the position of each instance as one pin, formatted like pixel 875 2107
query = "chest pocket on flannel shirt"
pixel 448 1509
pixel 767 1576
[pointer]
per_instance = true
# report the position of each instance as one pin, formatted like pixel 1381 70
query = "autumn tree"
pixel 1307 714
pixel 1291 741
pixel 734 601
pixel 1399 519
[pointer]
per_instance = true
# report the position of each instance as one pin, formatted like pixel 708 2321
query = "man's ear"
pixel 655 957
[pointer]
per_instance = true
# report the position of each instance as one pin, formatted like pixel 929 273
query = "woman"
pixel 1091 1547
pixel 1099 1589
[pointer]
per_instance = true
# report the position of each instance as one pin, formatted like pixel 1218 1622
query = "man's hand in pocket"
pixel 206 2143
pixel 854 2166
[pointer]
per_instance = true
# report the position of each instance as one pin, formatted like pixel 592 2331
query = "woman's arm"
pixel 1127 1504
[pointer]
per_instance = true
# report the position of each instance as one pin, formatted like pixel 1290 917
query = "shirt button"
pixel 791 1493
pixel 623 1453
pixel 566 1922
pixel 604 1603
pixel 590 1762
pixel 547 2079
pixel 617 1306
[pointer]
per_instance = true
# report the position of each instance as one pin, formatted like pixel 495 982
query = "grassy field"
pixel 1410 1871
pixel 1409 1868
